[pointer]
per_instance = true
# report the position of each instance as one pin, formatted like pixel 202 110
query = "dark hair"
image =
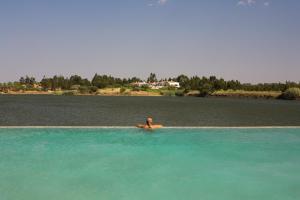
pixel 148 123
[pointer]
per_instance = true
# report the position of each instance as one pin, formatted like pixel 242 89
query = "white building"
pixel 140 84
pixel 158 85
pixel 162 84
pixel 173 84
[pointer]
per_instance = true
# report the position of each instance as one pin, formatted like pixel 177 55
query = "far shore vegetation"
pixel 179 86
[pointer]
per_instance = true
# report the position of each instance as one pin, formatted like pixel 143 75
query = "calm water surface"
pixel 128 111
pixel 130 164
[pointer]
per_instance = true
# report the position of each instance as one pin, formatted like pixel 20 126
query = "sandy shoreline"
pixel 117 92
pixel 131 93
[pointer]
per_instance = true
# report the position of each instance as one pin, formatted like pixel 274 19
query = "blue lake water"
pixel 132 164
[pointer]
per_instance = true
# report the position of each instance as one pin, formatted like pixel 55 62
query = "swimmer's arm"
pixel 154 126
pixel 140 126
pixel 157 126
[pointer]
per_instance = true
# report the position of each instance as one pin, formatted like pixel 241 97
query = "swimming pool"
pixel 127 163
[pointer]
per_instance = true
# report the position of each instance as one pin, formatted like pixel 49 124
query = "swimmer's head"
pixel 149 120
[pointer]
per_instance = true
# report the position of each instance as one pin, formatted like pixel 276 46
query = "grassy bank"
pixel 248 94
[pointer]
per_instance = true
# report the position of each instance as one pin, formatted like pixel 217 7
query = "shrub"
pixel 19 87
pixel 291 94
pixel 205 90
pixel 145 87
pixel 179 93
pixel 59 92
pixel 171 88
pixel 93 89
pixel 84 90
pixel 68 93
pixel 167 93
pixel 75 87
pixel 186 90
pixel 122 90
pixel 135 88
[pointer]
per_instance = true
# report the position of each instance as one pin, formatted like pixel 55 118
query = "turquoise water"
pixel 131 164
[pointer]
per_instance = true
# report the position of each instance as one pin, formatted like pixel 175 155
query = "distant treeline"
pixel 205 85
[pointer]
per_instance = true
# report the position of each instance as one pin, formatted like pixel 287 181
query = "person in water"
pixel 149 124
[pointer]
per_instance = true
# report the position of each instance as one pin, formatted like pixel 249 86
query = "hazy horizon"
pixel 254 41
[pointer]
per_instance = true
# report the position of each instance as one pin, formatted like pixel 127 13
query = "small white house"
pixel 158 85
pixel 140 84
pixel 173 84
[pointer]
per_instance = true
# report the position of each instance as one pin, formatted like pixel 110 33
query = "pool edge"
pixel 133 127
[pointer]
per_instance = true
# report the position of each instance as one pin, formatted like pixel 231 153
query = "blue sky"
pixel 253 41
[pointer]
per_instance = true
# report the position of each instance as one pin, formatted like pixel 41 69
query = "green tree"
pixel 152 78
pixel 29 80
pixel 75 80
pixel 219 84
pixel 102 81
pixel 184 81
pixel 46 83
pixel 134 80
pixel 22 80
pixel 206 89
